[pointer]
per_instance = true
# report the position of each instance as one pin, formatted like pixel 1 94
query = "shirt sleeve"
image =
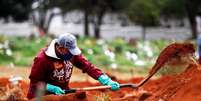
pixel 82 63
pixel 36 76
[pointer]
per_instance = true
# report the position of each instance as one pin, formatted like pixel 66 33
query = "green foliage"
pixel 2 38
pixel 174 8
pixel 103 60
pixel 123 61
pixel 102 97
pixel 29 47
pixel 24 50
pixel 171 70
pixel 4 59
pixel 144 12
pixel 119 45
pixel 17 9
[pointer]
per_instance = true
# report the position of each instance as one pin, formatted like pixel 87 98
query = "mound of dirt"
pixel 81 96
pixel 183 87
pixel 12 92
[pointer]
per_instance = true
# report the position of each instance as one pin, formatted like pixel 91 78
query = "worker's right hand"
pixel 54 89
pixel 105 80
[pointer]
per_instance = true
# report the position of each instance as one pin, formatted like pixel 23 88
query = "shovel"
pixel 169 52
pixel 134 86
pixel 73 90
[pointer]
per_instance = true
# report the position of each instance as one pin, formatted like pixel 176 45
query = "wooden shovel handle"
pixel 106 87
pixel 93 88
pixel 73 90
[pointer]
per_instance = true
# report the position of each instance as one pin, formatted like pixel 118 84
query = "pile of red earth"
pixel 182 87
pixel 12 92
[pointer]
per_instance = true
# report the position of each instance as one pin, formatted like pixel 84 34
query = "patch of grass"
pixel 25 49
pixel 121 60
pixel 171 70
pixel 102 97
pixel 5 59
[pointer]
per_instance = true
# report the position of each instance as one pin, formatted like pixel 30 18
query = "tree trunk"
pixel 86 22
pixel 44 23
pixel 97 30
pixel 191 13
pixel 48 20
pixel 41 22
pixel 193 25
pixel 97 24
pixel 42 32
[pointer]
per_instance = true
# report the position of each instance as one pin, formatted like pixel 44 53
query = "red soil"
pixel 182 87
pixel 11 92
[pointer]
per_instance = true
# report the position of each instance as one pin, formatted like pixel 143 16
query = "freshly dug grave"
pixel 182 87
pixel 185 86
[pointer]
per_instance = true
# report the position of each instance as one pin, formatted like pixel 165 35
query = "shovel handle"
pixel 73 90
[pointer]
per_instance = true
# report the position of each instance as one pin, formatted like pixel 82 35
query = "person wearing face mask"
pixel 54 64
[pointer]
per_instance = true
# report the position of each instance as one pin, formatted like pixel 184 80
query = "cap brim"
pixel 75 51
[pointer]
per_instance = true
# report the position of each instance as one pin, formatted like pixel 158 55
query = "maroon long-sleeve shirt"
pixel 48 69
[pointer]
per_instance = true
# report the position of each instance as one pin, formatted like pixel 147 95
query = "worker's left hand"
pixel 105 80
pixel 54 89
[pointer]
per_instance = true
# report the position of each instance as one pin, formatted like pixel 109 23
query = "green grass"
pixel 4 59
pixel 102 97
pixel 25 49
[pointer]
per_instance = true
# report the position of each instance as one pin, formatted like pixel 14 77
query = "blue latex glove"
pixel 54 89
pixel 105 80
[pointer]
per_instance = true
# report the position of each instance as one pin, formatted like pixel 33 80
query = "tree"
pixel 44 10
pixel 101 7
pixel 86 9
pixel 17 9
pixel 192 8
pixel 145 13
pixel 94 10
pixel 42 14
pixel 173 8
pixel 181 9
pixel 85 6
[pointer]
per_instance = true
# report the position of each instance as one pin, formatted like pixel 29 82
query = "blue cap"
pixel 69 41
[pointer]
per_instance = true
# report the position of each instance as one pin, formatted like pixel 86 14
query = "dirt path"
pixel 7 71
